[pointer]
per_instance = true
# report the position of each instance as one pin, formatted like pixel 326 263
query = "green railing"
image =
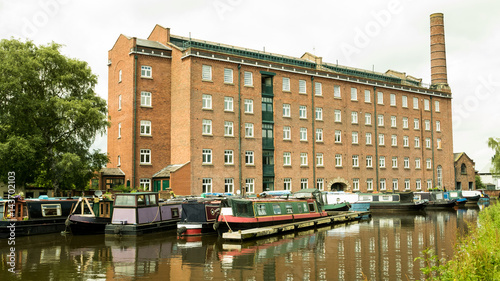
pixel 267 143
pixel 268 170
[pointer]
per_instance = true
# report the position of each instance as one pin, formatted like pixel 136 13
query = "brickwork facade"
pixel 465 172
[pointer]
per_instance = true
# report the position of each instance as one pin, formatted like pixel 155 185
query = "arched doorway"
pixel 339 184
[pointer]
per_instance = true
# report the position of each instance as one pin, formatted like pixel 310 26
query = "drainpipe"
pixel 432 146
pixel 134 148
pixel 242 190
pixel 313 132
pixel 375 123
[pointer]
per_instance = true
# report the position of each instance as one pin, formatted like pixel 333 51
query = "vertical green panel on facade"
pixel 166 184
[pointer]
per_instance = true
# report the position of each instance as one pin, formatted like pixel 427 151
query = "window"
pixel 406 163
pixel 354 117
pixel 369 161
pixel 428 163
pixel 303 183
pixel 355 184
pixel 394 184
pixel 427 142
pixel 119 76
pixel 436 105
pixel 249 158
pixel 318 89
pixel 119 130
pixel 302 87
pixel 228 157
pixel 354 94
pixel 228 75
pixel 206 101
pixel 303 159
pixel 250 185
pixel 249 130
pixel 276 209
pixel 381 139
pixel 427 125
pixel 427 106
pixel 394 162
pixel 287 158
pixel 382 161
pixel 286 133
pixel 382 184
pixel 319 113
pixel 303 112
pixel 118 161
pixel 51 210
pixel 120 102
pixel 355 137
pixel 319 159
pixel 319 135
pixel 145 156
pixel 286 84
pixel 207 185
pixel 368 137
pixel 206 127
pixel 228 104
pixel 407 184
pixel 338 136
pixel 248 78
pixel 416 124
pixel 336 91
pixel 380 120
pixel 320 184
pixel 206 156
pixel 438 143
pixel 338 160
pixel 415 103
pixel 404 101
pixel 338 115
pixel 393 121
pixel 286 110
pixel 394 140
pixel 417 142
pixel 418 184
pixel 248 106
pixel 228 129
pixel 145 128
pixel 228 185
pixel 393 99
pixel 406 141
pixel 368 118
pixel 417 163
pixel 367 96
pixel 206 73
pixel 145 99
pixel 369 184
pixel 355 161
pixel 146 71
pixel 439 176
pixel 405 122
pixel 380 98
pixel 303 134
pixel 438 126
pixel 145 184
pixel 287 184
pixel 429 184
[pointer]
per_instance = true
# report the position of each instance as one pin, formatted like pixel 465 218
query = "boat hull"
pixel 84 225
pixel 31 227
pixel 140 229
pixel 397 206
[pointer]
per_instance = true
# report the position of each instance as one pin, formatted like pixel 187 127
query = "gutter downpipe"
pixel 432 140
pixel 375 124
pixel 134 148
pixel 242 191
pixel 313 133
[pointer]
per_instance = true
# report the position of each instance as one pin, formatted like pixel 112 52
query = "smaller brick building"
pixel 465 173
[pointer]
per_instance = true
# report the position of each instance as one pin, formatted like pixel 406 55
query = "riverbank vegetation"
pixel 476 256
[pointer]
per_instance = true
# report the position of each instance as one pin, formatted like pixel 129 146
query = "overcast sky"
pixel 369 34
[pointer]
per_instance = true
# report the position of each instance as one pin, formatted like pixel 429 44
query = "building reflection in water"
pixel 383 248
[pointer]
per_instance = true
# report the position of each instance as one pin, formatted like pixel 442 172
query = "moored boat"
pixel 343 201
pixel 472 197
pixel 392 201
pixel 457 196
pixel 23 217
pixel 90 215
pixel 435 200
pixel 142 212
pixel 198 216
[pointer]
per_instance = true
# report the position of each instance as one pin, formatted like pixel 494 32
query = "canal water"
pixel 381 248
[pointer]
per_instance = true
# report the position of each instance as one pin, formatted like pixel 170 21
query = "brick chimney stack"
pixel 439 77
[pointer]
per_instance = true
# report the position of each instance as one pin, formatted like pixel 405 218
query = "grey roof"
pixel 165 172
pixel 151 44
pixel 112 172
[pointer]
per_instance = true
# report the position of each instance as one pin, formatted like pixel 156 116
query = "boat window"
pixel 51 210
pixel 261 209
pixel 277 209
pixel 175 212
pixel 305 207
pixel 2 210
pixel 105 209
pixel 152 199
pixel 386 198
pixel 311 207
pixel 140 200
pixel 289 209
pixel 125 200
pixel 300 208
pixel 364 198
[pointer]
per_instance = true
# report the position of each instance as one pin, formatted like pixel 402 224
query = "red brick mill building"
pixel 199 116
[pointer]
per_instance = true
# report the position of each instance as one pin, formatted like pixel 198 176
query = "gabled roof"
pixel 165 172
pixel 112 172
pixel 457 156
pixel 151 44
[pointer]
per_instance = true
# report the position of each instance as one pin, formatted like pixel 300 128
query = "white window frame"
pixel 406 163
pixel 380 98
pixel 338 136
pixel 206 185
pixel 355 161
pixel 302 87
pixel 145 128
pixel 206 158
pixel 381 162
pixel 368 138
pixel 318 88
pixel 287 133
pixel 369 161
pixel 415 103
pixel 338 115
pixel 145 156
pixel 206 72
pixel 338 160
pixel 393 121
pixel 319 114
pixel 286 84
pixel 438 126
pixel 249 158
pixel 303 134
pixel 228 157
pixel 354 94
pixel 355 184
pixel 394 162
pixel 228 75
pixel 319 160
pixel 404 101
pixel 206 101
pixel 145 184
pixel 319 135
pixel 320 183
pixel 249 106
pixel 436 106
pixel 248 79
pixel 286 110
pixel 287 158
pixel 395 184
pixel 393 99
pixel 120 102
pixel 287 184
pixel 303 112
pixel 336 91
pixel 368 118
pixel 146 99
pixel 228 128
pixel 228 104
pixel 249 130
pixel 394 140
pixel 146 71
pixel 355 138
pixel 405 123
pixel 354 117
pixel 380 120
pixel 229 185
pixel 369 184
pixel 206 125
pixel 250 186
pixel 303 159
pixel 406 141
pixel 381 139
pixel 304 183
pixel 368 98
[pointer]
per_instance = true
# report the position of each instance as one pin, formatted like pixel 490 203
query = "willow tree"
pixel 49 117
pixel 495 160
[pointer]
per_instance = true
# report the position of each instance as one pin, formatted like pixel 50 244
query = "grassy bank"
pixel 476 256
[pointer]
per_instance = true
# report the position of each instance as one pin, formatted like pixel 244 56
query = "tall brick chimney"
pixel 439 77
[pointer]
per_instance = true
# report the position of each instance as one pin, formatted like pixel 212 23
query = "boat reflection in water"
pixel 383 248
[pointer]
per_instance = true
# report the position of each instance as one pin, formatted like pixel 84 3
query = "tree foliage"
pixel 495 160
pixel 49 116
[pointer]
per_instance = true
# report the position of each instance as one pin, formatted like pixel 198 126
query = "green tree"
pixel 495 160
pixel 49 116
pixel 479 183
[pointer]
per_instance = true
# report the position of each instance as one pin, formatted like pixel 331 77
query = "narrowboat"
pixel 472 197
pixel 247 213
pixel 142 212
pixel 435 200
pixel 343 201
pixel 457 196
pixel 392 201
pixel 24 217
pixel 90 215
pixel 198 216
